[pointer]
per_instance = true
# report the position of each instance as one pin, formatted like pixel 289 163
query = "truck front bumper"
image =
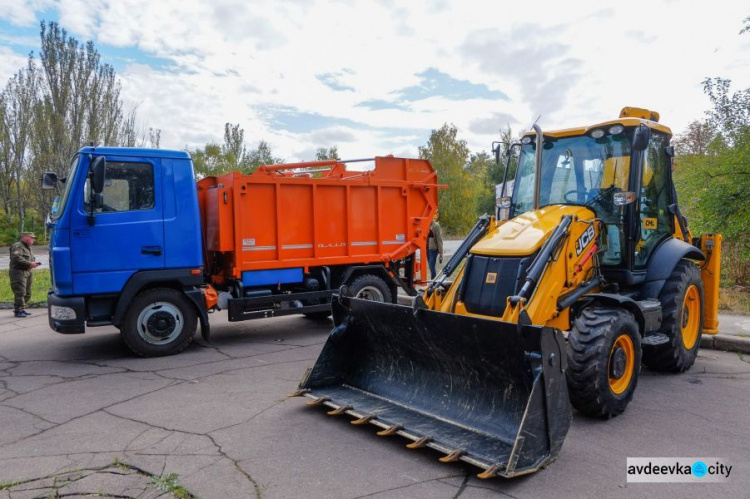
pixel 66 313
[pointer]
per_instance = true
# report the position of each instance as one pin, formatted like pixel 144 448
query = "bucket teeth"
pixel 490 472
pixel 318 401
pixel 298 393
pixel 420 443
pixel 364 419
pixel 453 456
pixel 391 430
pixel 340 410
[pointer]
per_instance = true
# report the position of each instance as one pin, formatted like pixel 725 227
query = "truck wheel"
pixel 682 321
pixel 159 322
pixel 604 360
pixel 370 287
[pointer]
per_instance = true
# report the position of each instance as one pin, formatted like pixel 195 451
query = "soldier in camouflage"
pixel 21 262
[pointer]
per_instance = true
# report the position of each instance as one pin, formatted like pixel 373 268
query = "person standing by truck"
pixel 434 245
pixel 22 260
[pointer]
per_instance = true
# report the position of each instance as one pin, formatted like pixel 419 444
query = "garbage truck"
pixel 138 244
pixel 587 271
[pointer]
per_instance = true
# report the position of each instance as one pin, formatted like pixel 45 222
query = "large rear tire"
pixel 370 287
pixel 604 360
pixel 159 322
pixel 682 321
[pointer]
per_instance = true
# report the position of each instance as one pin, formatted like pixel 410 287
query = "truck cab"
pixel 143 225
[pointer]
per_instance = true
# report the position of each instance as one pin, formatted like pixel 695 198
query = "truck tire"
pixel 370 287
pixel 682 321
pixel 604 360
pixel 159 322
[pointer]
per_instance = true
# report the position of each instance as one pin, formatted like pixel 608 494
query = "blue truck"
pixel 136 242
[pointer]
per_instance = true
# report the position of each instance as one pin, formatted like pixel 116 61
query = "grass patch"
pixel 168 483
pixel 40 286
pixel 735 300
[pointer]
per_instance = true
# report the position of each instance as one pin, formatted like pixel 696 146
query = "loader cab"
pixel 620 170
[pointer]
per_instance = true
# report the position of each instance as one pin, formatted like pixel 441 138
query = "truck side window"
pixel 127 187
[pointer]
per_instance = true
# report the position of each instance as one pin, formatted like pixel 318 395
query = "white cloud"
pixel 227 61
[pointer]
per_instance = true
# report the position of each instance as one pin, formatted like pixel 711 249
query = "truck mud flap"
pixel 485 392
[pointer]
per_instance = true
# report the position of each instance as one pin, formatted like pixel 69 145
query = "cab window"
pixel 656 222
pixel 127 187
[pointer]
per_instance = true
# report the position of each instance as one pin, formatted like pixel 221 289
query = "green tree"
pixel 450 157
pixel 261 155
pixel 18 99
pixel 323 154
pixel 232 155
pixel 712 175
pixel 480 168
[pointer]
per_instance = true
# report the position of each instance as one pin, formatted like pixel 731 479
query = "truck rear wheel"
pixel 682 321
pixel 370 287
pixel 604 360
pixel 159 322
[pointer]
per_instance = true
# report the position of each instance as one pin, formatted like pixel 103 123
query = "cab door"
pixel 127 234
pixel 655 218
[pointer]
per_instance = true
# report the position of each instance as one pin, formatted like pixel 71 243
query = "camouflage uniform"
pixel 21 258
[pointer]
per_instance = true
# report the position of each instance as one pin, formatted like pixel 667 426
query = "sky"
pixel 375 77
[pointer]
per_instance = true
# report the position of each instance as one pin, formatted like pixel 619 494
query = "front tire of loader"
pixel 604 360
pixel 159 322
pixel 682 321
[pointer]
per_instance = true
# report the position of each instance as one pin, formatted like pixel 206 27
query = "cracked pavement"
pixel 79 415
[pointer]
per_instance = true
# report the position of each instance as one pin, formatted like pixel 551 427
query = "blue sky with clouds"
pixel 374 77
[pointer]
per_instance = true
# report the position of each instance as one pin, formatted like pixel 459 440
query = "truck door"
pixel 128 230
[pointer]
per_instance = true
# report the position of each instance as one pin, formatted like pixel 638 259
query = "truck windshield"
pixel 578 170
pixel 58 205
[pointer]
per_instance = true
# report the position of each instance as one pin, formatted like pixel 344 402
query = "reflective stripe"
pixel 258 248
pixel 296 246
pixel 394 242
pixel 364 243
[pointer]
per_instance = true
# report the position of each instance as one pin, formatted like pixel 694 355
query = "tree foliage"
pixel 712 174
pixel 450 158
pixel 58 102
pixel 323 154
pixel 232 155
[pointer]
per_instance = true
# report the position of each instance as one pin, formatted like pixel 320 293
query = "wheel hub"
pixel 685 317
pixel 161 324
pixel 617 363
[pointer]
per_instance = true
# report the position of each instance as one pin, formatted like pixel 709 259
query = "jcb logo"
pixel 650 223
pixel 585 240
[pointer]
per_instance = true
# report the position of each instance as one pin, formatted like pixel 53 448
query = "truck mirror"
pixel 641 137
pixel 97 174
pixel 49 180
pixel 97 201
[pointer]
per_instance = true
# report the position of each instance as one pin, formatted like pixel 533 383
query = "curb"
pixel 724 342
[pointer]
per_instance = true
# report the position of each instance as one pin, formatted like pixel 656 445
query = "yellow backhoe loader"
pixel 586 271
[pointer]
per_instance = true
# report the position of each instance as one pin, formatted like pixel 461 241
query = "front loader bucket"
pixel 489 393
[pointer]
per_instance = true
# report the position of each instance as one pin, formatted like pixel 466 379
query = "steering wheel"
pixel 579 195
pixel 603 194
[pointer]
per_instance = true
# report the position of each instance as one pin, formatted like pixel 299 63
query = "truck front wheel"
pixel 159 322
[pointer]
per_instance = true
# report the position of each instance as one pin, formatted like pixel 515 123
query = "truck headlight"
pixel 62 313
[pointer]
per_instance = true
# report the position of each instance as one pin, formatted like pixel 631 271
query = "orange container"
pixel 315 214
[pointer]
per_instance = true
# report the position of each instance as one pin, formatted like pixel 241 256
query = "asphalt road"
pixel 218 417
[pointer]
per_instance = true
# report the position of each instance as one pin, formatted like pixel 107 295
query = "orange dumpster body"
pixel 310 215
